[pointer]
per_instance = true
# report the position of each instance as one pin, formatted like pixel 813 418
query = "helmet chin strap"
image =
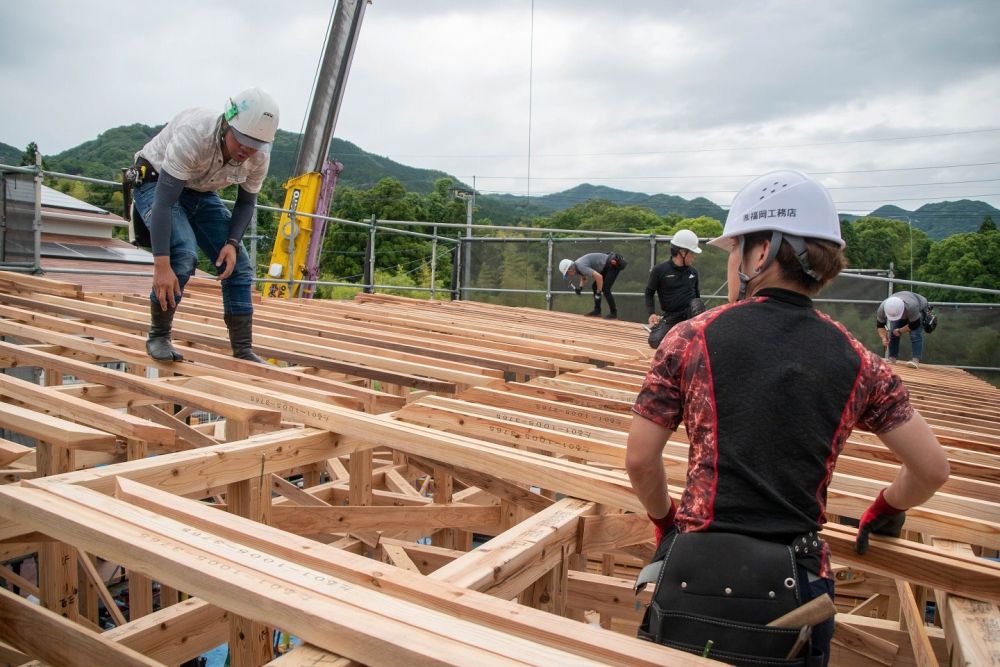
pixel 772 252
pixel 798 245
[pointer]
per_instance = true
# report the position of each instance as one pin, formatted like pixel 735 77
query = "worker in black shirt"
pixel 675 281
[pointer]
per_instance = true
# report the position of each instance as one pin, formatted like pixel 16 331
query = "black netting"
pixel 969 335
pixel 18 238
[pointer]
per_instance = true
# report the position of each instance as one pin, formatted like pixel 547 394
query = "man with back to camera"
pixel 603 269
pixel 675 282
pixel 177 175
pixel 904 312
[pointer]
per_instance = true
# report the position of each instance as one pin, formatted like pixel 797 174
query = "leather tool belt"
pixel 716 592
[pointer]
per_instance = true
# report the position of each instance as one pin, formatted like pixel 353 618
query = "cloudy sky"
pixel 886 102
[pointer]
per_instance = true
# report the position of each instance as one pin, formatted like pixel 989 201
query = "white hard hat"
pixel 786 201
pixel 253 116
pixel 685 238
pixel 564 265
pixel 894 308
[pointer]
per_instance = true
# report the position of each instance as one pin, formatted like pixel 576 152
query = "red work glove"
pixel 882 519
pixel 664 524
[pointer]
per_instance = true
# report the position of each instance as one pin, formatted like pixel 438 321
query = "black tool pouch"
pixel 929 320
pixel 140 232
pixel 616 260
pixel 724 589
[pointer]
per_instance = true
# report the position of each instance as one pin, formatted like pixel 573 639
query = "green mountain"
pixel 9 154
pixel 113 149
pixel 942 219
pixel 661 204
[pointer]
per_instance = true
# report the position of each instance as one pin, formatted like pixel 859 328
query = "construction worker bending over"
pixel 675 282
pixel 768 389
pixel 901 313
pixel 603 269
pixel 177 176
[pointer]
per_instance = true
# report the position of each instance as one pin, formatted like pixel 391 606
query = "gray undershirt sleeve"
pixel 242 213
pixel 168 191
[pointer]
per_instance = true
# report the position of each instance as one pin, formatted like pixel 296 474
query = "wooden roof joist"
pixel 536 464
pixel 329 597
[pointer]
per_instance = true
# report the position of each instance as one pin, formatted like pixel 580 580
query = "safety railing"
pixel 469 252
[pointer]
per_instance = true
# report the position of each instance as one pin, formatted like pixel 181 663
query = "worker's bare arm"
pixel 925 465
pixel 644 464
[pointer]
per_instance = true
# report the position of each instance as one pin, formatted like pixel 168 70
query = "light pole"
pixel 909 223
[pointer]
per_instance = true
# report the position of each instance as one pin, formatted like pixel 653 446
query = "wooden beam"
pixel 54 430
pixel 359 518
pixel 913 617
pixel 971 626
pixel 11 451
pixel 361 624
pixel 484 609
pixel 192 435
pixel 197 472
pixel 30 628
pixel 924 565
pixel 85 412
pixel 175 634
pixel 509 562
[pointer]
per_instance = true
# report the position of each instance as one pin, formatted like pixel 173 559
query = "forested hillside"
pixel 9 154
pixel 942 219
pixel 104 156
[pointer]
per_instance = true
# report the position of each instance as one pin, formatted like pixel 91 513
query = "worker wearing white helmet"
pixel 177 176
pixel 904 312
pixel 675 283
pixel 768 389
pixel 602 270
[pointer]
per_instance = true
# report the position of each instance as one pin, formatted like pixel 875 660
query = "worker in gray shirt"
pixel 904 312
pixel 176 179
pixel 602 270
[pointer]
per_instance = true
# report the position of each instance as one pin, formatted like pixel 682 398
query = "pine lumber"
pixel 29 628
pixel 174 634
pixel 485 609
pixel 335 616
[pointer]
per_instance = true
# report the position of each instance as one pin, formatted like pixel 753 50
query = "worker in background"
pixel 768 389
pixel 179 173
pixel 904 312
pixel 602 270
pixel 675 282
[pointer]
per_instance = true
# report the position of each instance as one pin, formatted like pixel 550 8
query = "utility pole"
pixel 470 201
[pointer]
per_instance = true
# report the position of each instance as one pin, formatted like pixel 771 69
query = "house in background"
pixel 77 243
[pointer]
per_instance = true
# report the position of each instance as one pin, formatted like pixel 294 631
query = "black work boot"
pixel 158 345
pixel 611 316
pixel 596 312
pixel 241 337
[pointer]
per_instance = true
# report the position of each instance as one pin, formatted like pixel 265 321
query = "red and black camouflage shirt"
pixel 768 389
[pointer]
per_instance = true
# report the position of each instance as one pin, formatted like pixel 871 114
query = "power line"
pixel 711 149
pixel 675 176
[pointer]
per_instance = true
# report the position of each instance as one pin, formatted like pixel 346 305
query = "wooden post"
pixel 140 586
pixel 249 641
pixel 58 580
pixel 443 487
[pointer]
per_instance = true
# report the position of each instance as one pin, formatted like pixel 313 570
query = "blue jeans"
pixel 916 341
pixel 201 220
pixel 822 634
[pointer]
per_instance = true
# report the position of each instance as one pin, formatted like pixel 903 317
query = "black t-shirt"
pixel 674 285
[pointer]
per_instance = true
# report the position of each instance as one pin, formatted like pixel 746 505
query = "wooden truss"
pixel 412 483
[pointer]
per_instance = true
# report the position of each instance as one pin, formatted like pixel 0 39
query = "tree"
pixel 879 241
pixel 988 225
pixel 972 260
pixel 703 226
pixel 28 156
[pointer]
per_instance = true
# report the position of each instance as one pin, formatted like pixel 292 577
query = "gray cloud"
pixel 624 94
